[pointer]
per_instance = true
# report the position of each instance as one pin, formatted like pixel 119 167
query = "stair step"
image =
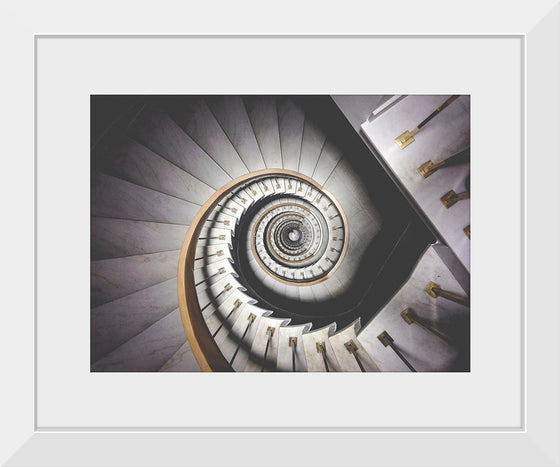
pixel 311 147
pixel 313 357
pixel 321 292
pixel 223 307
pixel 285 360
pixel 218 291
pixel 291 291
pixel 264 119
pixel 258 348
pixel 117 321
pixel 113 197
pixel 149 350
pixel 183 360
pixel 157 131
pixel 232 116
pixel 195 117
pixel 346 360
pixel 219 219
pixel 113 238
pixel 232 208
pixel 213 272
pixel 330 155
pixel 207 254
pixel 306 294
pixel 266 186
pixel 348 187
pixel 214 236
pixel 124 158
pixel 114 278
pixel 253 191
pixel 291 119
pixel 233 342
pixel 242 198
pixel 228 317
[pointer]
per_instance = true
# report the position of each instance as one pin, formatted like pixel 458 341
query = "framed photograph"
pixel 255 249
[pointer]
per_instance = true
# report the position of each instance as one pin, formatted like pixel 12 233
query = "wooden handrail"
pixel 203 346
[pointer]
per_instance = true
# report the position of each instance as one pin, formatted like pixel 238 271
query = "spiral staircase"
pixel 260 233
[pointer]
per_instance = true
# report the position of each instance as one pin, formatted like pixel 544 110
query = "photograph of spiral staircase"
pixel 280 233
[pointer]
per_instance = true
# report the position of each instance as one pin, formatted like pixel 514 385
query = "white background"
pixel 537 22
pixel 71 69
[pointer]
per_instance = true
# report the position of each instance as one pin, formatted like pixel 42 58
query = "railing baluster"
pixel 218 253
pixel 436 291
pixel 387 340
pixel 251 320
pixel 428 168
pixel 218 221
pixel 353 349
pixel 220 271
pixel 410 317
pixel 227 288
pixel 292 342
pixel 450 198
pixel 236 305
pixel 408 136
pixel 269 333
pixel 322 350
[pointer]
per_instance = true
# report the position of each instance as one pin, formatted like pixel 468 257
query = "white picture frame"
pixel 30 432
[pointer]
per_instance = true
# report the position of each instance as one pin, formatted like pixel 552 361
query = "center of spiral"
pixel 294 235
pixel 298 234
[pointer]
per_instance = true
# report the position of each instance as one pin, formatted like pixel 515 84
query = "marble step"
pixel 231 207
pixel 240 338
pixel 348 187
pixel 149 350
pixel 311 147
pixel 290 291
pixel 321 292
pixel 347 361
pixel 219 219
pixel 156 130
pixel 289 343
pixel 242 198
pixel 291 120
pixel 213 272
pixel 334 286
pixel 306 294
pixel 265 185
pixel 207 254
pixel 218 291
pixel 113 197
pixel 221 308
pixel 115 322
pixel 258 271
pixel 329 158
pixel 195 117
pixel 258 348
pixel 232 116
pixel 264 120
pixel 252 190
pixel 215 236
pixel 114 278
pixel 113 238
pixel 182 361
pixel 228 316
pixel 313 357
pixel 120 156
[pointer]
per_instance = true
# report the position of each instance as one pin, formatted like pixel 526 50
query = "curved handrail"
pixel 203 346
